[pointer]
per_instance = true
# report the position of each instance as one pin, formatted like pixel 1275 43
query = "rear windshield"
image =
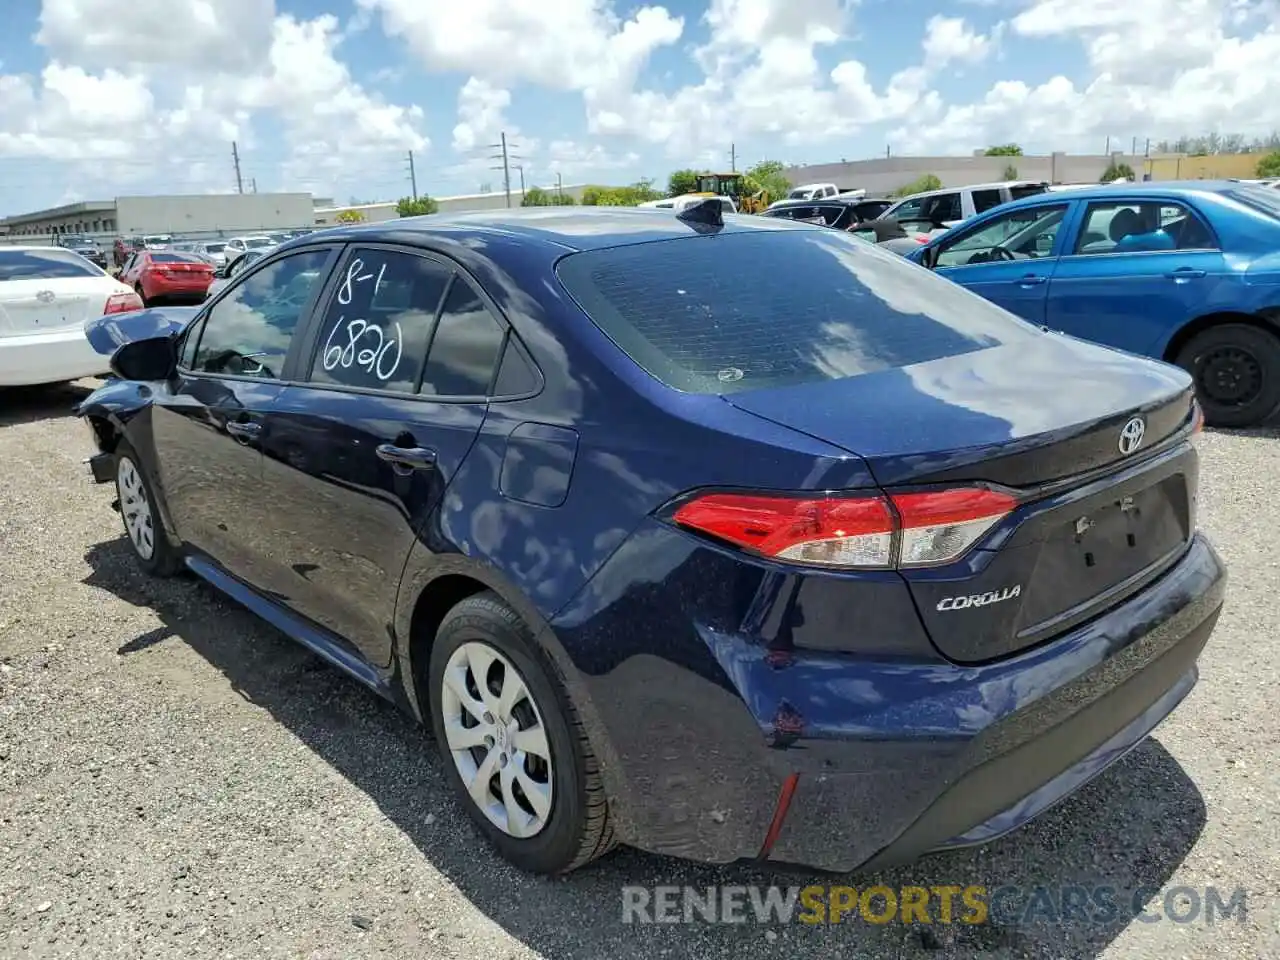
pixel 175 258
pixel 1263 199
pixel 702 315
pixel 44 265
pixel 255 243
pixel 214 247
pixel 1027 190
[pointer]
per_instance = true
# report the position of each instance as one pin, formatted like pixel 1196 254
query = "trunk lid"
pixel 107 334
pixel 1096 523
pixel 48 305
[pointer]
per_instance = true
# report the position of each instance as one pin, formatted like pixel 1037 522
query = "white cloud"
pixel 481 114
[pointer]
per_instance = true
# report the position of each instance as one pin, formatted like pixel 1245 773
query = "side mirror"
pixel 154 358
pixel 930 257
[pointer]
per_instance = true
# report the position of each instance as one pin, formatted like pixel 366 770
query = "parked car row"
pixel 216 251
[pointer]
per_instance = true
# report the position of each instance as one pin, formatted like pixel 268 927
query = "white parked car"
pixel 952 205
pixel 46 295
pixel 234 266
pixel 238 245
pixel 813 191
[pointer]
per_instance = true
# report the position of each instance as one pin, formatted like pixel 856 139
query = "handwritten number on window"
pixel 367 347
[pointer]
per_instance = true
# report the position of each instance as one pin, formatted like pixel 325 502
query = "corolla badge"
pixel 46 296
pixel 1131 435
pixel 980 599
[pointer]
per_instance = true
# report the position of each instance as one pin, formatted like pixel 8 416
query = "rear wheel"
pixel 142 295
pixel 512 743
pixel 141 521
pixel 1236 369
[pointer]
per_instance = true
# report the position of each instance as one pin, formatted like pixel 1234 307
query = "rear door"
pixel 358 457
pixel 1009 258
pixel 207 423
pixel 1138 269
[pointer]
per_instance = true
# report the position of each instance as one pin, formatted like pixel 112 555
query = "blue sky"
pixel 99 97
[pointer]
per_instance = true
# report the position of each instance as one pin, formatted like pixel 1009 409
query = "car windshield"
pixel 44 265
pixel 694 316
pixel 257 243
pixel 214 247
pixel 1262 199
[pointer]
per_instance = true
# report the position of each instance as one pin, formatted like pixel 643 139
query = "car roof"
pixel 1107 191
pixel 32 247
pixel 561 228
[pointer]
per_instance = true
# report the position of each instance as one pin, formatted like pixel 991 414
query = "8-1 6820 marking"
pixel 372 359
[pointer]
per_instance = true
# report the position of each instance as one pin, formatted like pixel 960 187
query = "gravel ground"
pixel 178 779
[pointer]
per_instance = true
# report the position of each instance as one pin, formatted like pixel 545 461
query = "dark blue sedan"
pixel 724 539
pixel 1183 272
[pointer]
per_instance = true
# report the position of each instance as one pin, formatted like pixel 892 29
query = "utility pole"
pixel 559 185
pixel 235 158
pixel 506 157
pixel 520 167
pixel 413 176
pixel 733 158
pixel 253 184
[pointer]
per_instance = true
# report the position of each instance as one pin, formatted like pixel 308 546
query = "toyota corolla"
pixel 722 537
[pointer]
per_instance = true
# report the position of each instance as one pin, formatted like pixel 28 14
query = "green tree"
pixel 561 200
pixel 1010 172
pixel 629 196
pixel 1117 171
pixel 536 197
pixel 919 185
pixel 681 182
pixel 1269 166
pixel 409 207
pixel 350 216
pixel 1004 150
pixel 766 176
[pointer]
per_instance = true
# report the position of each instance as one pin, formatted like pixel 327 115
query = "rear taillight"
pixel 122 303
pixel 868 532
pixel 1197 417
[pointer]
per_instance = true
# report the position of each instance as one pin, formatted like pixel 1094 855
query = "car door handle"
pixel 1030 280
pixel 1185 273
pixel 417 458
pixel 244 429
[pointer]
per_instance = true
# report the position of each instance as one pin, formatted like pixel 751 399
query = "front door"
pixel 207 423
pixel 1137 270
pixel 1008 259
pixel 359 457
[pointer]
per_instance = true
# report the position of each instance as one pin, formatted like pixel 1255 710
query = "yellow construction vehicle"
pixel 733 185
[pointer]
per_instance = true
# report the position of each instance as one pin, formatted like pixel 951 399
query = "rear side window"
pixel 984 200
pixel 1027 190
pixel 378 324
pixel 44 265
pixel 465 348
pixel 693 314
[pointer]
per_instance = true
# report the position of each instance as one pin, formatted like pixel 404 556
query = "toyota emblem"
pixel 46 296
pixel 1131 435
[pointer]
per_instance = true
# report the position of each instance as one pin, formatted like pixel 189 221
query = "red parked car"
pixel 164 275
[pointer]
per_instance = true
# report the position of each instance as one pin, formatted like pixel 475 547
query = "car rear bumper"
pixel 31 359
pixel 887 759
pixel 184 288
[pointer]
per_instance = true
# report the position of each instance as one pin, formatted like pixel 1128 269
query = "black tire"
pixel 163 560
pixel 1236 369
pixel 578 828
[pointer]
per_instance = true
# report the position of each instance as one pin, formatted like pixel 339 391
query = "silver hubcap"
pixel 135 508
pixel 497 739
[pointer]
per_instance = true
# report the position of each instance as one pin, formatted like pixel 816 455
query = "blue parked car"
pixel 671 553
pixel 1184 272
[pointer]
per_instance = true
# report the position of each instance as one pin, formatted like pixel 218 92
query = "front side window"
pixel 1141 227
pixel 465 348
pixel 377 326
pixel 248 331
pixel 1019 235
